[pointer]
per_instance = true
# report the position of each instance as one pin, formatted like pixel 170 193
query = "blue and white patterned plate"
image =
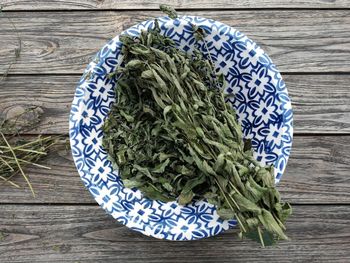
pixel 262 104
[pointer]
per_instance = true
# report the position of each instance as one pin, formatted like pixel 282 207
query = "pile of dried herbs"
pixel 17 152
pixel 172 136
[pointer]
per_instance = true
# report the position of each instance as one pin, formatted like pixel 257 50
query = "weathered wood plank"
pixel 53 94
pixel 63 42
pixel 321 103
pixel 87 234
pixel 179 4
pixel 317 172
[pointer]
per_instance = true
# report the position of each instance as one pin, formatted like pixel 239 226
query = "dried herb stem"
pixel 18 164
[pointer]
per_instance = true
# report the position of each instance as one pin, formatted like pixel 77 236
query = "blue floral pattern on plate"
pixel 261 102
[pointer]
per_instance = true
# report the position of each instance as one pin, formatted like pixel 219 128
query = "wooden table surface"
pixel 310 43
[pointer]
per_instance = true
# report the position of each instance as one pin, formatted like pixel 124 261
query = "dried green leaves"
pixel 173 136
pixel 168 10
pixel 16 153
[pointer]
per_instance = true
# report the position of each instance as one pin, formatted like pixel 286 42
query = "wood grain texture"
pixel 317 173
pixel 63 224
pixel 321 103
pixel 64 42
pixel 179 4
pixel 87 234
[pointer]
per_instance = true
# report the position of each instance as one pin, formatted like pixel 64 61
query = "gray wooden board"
pixel 321 103
pixel 148 4
pixel 317 172
pixel 309 44
pixel 87 234
pixel 64 42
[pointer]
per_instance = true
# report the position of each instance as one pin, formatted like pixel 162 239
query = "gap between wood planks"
pixel 308 73
pixel 96 204
pixel 181 9
pixel 301 134
pixel 179 4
